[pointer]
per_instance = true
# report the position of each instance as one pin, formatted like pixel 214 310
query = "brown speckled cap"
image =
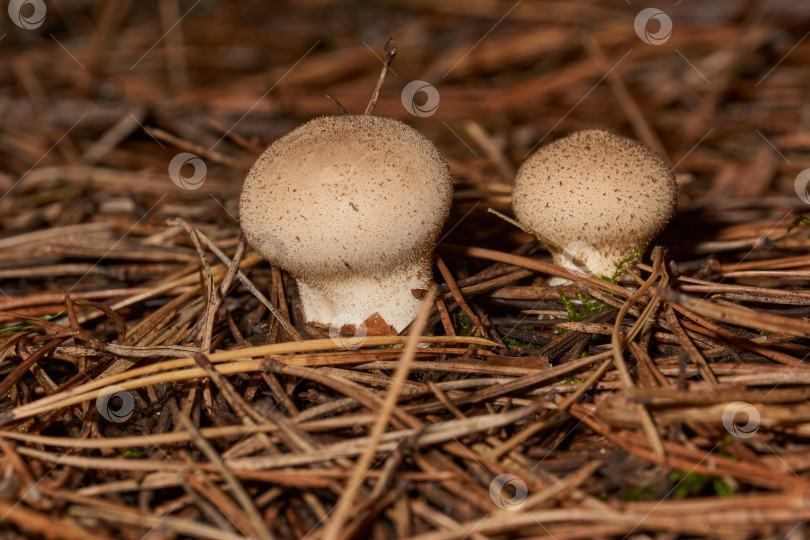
pixel 347 193
pixel 348 196
pixel 596 188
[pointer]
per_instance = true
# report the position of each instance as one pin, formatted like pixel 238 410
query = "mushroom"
pixel 596 197
pixel 351 206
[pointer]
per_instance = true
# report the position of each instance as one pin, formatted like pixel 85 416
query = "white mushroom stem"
pixel 355 297
pixel 597 196
pixel 351 206
pixel 585 261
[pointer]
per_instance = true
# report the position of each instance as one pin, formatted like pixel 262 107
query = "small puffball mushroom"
pixel 597 196
pixel 351 206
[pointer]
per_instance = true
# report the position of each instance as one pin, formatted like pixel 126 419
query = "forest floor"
pixel 148 390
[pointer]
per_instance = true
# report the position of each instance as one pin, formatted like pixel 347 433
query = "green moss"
pixel 589 305
pixel 722 488
pixel 723 449
pixel 464 326
pixel 639 493
pixel 688 483
pixel 694 484
pixel 512 342
pixel 799 220
pixel 27 324
pixel 620 265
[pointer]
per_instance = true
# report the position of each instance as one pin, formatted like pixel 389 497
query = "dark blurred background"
pixel 98 98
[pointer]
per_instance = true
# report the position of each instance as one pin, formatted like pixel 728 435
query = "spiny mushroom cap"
pixel 596 187
pixel 344 195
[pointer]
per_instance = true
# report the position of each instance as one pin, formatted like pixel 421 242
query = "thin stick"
pixel 337 104
pixel 236 487
pixel 334 525
pixel 640 124
pixel 206 324
pixel 526 229
pixel 91 389
pixel 391 50
pixel 252 288
pixel 617 345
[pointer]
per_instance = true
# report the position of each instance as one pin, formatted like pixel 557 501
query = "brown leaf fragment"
pixel 375 326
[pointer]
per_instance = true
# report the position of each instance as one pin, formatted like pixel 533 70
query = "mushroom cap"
pixel 596 187
pixel 344 195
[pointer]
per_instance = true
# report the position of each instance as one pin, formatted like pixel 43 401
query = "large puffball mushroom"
pixel 351 206
pixel 597 196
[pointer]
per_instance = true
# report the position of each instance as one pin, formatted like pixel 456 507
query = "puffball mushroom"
pixel 351 206
pixel 597 196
